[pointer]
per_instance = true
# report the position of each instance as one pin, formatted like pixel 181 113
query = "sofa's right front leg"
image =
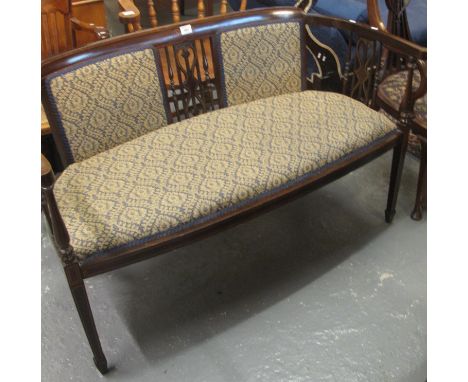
pixel 398 160
pixel 421 190
pixel 78 291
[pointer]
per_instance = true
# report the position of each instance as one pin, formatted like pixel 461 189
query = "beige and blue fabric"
pixel 109 102
pixel 199 168
pixel 393 87
pixel 261 61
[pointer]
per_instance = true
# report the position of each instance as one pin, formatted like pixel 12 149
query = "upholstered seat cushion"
pixel 393 87
pixel 197 169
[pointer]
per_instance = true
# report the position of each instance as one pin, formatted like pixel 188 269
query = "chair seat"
pixel 393 87
pixel 195 170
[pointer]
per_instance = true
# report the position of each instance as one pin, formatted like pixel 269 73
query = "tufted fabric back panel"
pixel 105 103
pixel 261 61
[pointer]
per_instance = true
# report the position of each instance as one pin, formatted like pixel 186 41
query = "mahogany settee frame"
pixel 77 271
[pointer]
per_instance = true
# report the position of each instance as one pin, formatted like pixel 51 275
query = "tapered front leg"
pixel 78 291
pixel 422 179
pixel 398 160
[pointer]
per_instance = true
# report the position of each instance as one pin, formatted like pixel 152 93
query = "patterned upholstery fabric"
pixel 196 169
pixel 107 103
pixel 261 61
pixel 393 88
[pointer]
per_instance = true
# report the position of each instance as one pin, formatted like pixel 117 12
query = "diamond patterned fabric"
pixel 261 61
pixel 104 104
pixel 196 169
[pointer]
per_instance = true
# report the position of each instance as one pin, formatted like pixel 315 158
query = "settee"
pixel 173 133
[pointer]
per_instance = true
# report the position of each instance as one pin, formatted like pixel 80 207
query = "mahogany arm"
pixel 411 96
pixel 390 41
pixel 374 15
pixel 130 14
pixel 100 32
pixel 60 236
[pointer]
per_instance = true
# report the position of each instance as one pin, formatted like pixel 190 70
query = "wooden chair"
pixel 130 15
pixel 391 93
pixel 58 28
pixel 58 35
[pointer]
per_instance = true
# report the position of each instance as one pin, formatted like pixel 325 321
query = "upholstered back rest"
pixel 261 61
pixel 104 103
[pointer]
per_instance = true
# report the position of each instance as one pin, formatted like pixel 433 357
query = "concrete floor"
pixel 321 289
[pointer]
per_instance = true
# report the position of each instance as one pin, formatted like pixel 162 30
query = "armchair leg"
pixel 398 160
pixel 78 291
pixel 421 191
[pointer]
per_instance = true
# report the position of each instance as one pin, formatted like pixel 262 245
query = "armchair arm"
pixel 130 15
pixel 359 74
pixel 60 237
pixel 100 32
pixel 412 95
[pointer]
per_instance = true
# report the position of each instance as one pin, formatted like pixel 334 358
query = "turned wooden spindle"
pixel 243 5
pixel 152 14
pixel 175 11
pixel 223 7
pixel 201 9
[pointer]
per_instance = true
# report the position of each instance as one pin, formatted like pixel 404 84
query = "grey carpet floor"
pixel 321 289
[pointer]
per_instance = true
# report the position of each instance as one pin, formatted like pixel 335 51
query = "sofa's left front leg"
pixel 78 291
pixel 72 269
pixel 398 160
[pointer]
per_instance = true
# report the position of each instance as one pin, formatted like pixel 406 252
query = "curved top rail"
pixel 170 34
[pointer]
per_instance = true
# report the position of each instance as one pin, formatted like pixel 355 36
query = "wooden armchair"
pixel 130 15
pixel 391 92
pixel 58 28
